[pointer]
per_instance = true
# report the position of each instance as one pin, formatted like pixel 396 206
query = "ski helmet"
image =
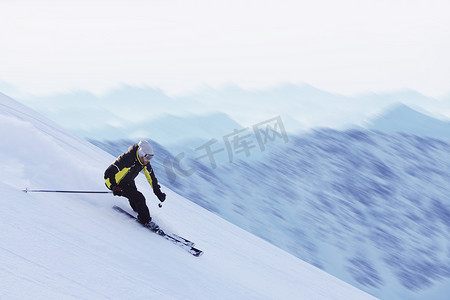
pixel 145 150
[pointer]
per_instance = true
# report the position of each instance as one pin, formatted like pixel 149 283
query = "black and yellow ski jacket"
pixel 125 169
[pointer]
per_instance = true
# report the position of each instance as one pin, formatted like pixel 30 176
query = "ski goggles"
pixel 148 156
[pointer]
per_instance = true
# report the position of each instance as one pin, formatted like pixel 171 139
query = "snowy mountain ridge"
pixel 116 114
pixel 69 246
pixel 402 118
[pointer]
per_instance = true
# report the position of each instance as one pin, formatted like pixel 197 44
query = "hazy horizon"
pixel 347 47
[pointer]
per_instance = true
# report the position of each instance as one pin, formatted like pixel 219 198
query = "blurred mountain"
pixel 402 118
pixel 128 110
pixel 168 130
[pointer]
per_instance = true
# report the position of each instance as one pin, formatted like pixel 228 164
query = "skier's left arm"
pixel 151 178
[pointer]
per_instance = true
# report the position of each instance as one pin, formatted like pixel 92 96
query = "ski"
pixel 176 239
pixel 183 240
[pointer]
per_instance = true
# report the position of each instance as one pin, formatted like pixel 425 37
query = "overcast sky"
pixel 345 46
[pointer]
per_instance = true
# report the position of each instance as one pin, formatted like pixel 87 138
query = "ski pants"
pixel 137 202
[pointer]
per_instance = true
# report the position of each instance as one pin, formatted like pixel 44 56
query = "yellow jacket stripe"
pixel 149 178
pixel 119 176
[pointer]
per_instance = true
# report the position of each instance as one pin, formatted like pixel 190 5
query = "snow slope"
pixel 67 246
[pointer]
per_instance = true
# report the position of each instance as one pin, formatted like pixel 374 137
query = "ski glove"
pixel 161 196
pixel 117 191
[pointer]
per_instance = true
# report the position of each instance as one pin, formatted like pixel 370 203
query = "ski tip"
pixel 198 254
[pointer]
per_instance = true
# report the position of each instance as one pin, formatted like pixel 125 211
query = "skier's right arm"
pixel 112 178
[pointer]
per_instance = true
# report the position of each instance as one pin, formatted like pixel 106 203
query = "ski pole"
pixel 26 190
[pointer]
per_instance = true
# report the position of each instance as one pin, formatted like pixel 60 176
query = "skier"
pixel 119 177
